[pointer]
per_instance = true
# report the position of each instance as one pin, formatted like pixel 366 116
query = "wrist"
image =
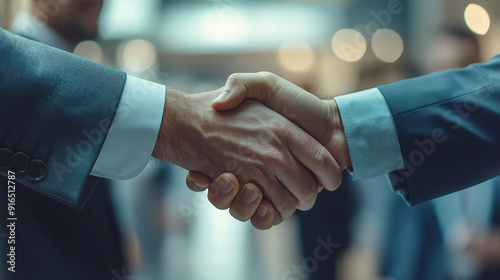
pixel 337 145
pixel 174 128
pixel 186 123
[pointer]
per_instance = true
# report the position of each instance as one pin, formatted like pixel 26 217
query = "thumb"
pixel 233 94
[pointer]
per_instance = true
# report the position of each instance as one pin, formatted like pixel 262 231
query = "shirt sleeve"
pixel 370 133
pixel 133 132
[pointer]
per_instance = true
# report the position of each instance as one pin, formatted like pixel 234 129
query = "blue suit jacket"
pixel 51 102
pixel 448 130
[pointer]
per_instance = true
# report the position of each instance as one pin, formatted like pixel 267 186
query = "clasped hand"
pixel 283 153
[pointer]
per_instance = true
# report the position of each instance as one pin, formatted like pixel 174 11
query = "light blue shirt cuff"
pixel 370 132
pixel 133 132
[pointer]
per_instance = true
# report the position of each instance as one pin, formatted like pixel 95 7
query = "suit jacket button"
pixel 5 155
pixel 19 162
pixel 37 170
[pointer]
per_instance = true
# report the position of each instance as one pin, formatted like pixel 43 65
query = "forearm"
pixel 338 143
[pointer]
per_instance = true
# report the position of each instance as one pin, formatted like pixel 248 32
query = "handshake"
pixel 278 141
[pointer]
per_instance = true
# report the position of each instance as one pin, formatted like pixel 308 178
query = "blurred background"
pixel 327 47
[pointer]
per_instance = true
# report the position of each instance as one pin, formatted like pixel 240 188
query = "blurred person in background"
pixel 59 25
pixel 456 236
pixel 331 218
pixel 56 241
pixel 147 221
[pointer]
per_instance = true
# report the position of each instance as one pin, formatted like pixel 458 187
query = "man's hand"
pixel 319 118
pixel 253 142
pixel 244 204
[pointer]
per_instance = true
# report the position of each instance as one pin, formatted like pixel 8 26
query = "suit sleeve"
pixel 55 112
pixel 448 127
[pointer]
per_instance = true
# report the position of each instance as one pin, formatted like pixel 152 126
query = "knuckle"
pixel 264 136
pixel 322 158
pixel 281 129
pixel 268 82
pixel 274 158
pixel 309 192
pixel 267 76
pixel 234 79
pixel 258 173
pixel 288 207
pixel 278 219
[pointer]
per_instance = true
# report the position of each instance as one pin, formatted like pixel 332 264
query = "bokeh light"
pixel 229 29
pixel 477 19
pixel 296 56
pixel 89 50
pixel 387 45
pixel 137 55
pixel 349 45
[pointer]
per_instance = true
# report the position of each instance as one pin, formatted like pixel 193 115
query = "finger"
pixel 316 158
pixel 244 86
pixel 300 182
pixel 246 202
pixel 197 182
pixel 265 216
pixel 223 190
pixel 320 188
pixel 284 97
pixel 232 95
pixel 282 199
pixel 278 219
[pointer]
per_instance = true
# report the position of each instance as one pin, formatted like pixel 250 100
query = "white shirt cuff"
pixel 133 132
pixel 370 132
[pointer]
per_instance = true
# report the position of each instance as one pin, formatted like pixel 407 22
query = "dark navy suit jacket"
pixel 448 130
